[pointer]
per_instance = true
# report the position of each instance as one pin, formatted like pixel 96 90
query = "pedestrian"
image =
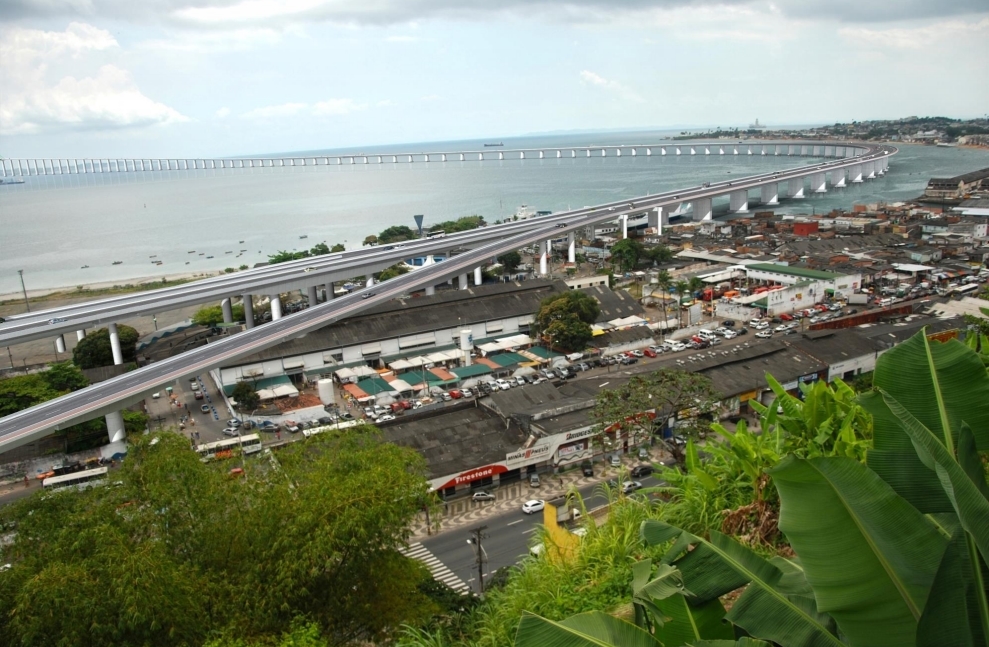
pixel 27 481
pixel 278 435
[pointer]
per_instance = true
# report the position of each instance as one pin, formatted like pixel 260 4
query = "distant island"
pixel 926 130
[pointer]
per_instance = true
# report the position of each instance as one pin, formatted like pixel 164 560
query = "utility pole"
pixel 481 556
pixel 27 304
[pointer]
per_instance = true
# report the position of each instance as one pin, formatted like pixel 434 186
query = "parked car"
pixel 520 381
pixel 630 486
pixel 533 506
pixel 386 417
pixel 730 335
pixel 455 394
pixel 204 408
pixel 616 460
pixel 194 386
pixel 643 453
pixel 200 395
pixel 325 420
pixel 445 397
pixel 503 385
pixel 765 334
pixel 635 353
pixel 742 331
pixel 467 393
pixel 730 323
pixel 231 431
pixel 587 468
pixel 482 495
pixel 786 317
pixel 533 480
pixel 649 353
pixel 628 360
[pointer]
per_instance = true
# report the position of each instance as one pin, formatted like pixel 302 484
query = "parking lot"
pixel 181 410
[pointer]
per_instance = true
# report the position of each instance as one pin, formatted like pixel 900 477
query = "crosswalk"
pixel 439 570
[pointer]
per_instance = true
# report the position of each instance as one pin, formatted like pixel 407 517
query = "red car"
pixel 786 317
pixel 649 353
pixel 820 307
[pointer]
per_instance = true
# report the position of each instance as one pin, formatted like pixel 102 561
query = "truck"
pixel 858 299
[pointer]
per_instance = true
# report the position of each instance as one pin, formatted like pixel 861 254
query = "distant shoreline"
pixel 138 284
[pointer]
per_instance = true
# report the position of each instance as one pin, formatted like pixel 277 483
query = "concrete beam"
pixel 795 188
pixel 703 210
pixel 738 201
pixel 248 300
pixel 115 427
pixel 276 308
pixel 118 355
pixel 818 183
pixel 312 295
pixel 478 276
pixel 462 281
pixel 228 311
pixel 571 247
pixel 770 194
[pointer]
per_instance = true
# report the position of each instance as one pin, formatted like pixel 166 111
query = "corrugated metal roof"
pixel 471 371
pixel 794 271
pixel 507 359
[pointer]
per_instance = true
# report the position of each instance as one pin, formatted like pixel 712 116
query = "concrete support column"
pixel 276 308
pixel 818 183
pixel 855 173
pixel 118 355
pixel 311 294
pixel 738 201
pixel 770 193
pixel 115 427
pixel 430 290
pixel 330 291
pixel 838 178
pixel 462 281
pixel 80 334
pixel 796 188
pixel 870 170
pixel 60 344
pixel 248 310
pixel 228 311
pixel 703 210
pixel 571 247
pixel 658 218
pixel 478 276
pixel 624 218
pixel 544 259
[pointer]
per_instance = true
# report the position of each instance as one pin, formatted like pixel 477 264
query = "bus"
pixel 346 424
pixel 971 288
pixel 435 234
pixel 250 444
pixel 78 480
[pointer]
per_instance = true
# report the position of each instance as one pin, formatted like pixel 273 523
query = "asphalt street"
pixel 509 536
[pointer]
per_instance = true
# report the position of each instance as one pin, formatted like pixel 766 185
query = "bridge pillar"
pixel 838 178
pixel 248 300
pixel 542 155
pixel 501 155
pixel 276 308
pixel 461 157
pixel 648 152
pixel 228 311
pixel 571 247
pixel 573 153
pixel 330 291
pixel 80 334
pixel 818 184
pixel 693 151
pixel 738 201
pixel 796 188
pixel 462 281
pixel 115 427
pixel 870 170
pixel 544 258
pixel 624 218
pixel 312 295
pixel 703 210
pixel 521 155
pixel 634 154
pixel 678 150
pixel 478 276
pixel 60 344
pixel 657 218
pixel 855 173
pixel 770 193
pixel 118 355
pixel 430 290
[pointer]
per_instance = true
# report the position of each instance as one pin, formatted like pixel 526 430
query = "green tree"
pixel 282 256
pixel 465 223
pixel 395 234
pixel 670 392
pixel 659 254
pixel 683 292
pixel 186 549
pixel 510 261
pixel 370 240
pixel 24 391
pixel 245 396
pixel 391 272
pixel 319 249
pixel 64 377
pixel 566 319
pixel 229 270
pixel 665 281
pixel 625 254
pixel 210 316
pixel 94 349
pixel 134 421
pixel 337 248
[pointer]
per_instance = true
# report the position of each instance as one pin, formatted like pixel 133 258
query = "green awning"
pixel 545 353
pixel 507 359
pixel 473 370
pixel 374 385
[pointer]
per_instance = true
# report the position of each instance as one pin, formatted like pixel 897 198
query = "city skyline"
pixel 228 77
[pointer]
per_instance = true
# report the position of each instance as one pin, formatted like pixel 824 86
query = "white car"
pixel 755 322
pixel 156 395
pixel 533 506
pixel 503 385
pixel 386 417
pixel 762 325
pixel 765 334
pixel 781 328
pixel 730 335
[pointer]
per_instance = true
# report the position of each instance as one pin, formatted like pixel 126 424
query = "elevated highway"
pixel 108 397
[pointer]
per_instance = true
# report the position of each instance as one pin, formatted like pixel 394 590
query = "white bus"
pixel 435 234
pixel 79 480
pixel 251 444
pixel 346 424
pixel 971 288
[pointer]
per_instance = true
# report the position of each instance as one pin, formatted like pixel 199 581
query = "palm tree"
pixel 664 281
pixel 695 284
pixel 682 288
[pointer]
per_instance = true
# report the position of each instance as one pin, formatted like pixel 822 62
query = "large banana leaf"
pixel 593 629
pixel 941 385
pixel 766 610
pixel 966 497
pixel 688 622
pixel 869 555
pixel 741 642
pixel 945 620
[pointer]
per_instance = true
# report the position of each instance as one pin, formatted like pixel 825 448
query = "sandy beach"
pixel 102 285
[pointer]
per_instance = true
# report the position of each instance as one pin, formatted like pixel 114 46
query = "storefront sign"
pixel 582 433
pixel 566 450
pixel 474 475
pixel 528 456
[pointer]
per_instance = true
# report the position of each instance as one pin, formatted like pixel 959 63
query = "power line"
pixel 480 555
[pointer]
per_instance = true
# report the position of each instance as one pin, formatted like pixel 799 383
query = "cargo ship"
pixel 491 145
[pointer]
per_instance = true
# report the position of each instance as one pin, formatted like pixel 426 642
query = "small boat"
pixel 84 267
pixel 228 252
pixel 241 242
pixel 117 263
pixel 303 237
pixel 202 253
pixel 496 144
pixel 153 256
pixel 193 252
pixel 187 262
pixel 209 257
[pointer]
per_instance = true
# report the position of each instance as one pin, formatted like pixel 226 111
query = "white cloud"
pixel 328 108
pixel 34 102
pixel 384 103
pixel 588 77
pixel 402 39
pixel 223 112
pixel 915 38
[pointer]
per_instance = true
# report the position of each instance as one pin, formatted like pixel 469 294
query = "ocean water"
pixel 52 226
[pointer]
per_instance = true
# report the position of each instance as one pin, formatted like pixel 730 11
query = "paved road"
pixel 104 397
pixel 509 536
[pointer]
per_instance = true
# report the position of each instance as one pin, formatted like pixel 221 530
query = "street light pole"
pixel 27 304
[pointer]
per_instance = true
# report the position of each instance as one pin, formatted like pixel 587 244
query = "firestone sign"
pixel 474 475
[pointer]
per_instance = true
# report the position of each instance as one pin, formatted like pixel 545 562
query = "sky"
pixel 199 78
